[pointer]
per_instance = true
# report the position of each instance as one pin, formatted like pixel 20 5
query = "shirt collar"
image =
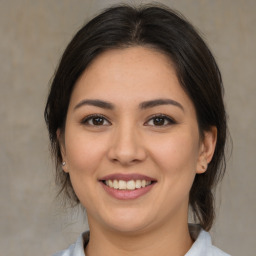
pixel 200 247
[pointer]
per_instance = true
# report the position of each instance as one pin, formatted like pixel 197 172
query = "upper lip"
pixel 127 177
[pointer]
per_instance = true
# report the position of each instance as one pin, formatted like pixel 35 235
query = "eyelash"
pixel 89 118
pixel 170 121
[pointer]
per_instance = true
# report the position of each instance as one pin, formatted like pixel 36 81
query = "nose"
pixel 127 146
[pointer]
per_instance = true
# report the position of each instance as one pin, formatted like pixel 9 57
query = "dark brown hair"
pixel 167 31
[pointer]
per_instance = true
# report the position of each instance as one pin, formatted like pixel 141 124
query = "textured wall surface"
pixel 33 36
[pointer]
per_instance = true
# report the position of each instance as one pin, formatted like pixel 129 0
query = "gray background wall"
pixel 33 35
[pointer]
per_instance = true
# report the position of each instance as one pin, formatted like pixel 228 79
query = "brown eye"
pixel 160 120
pixel 95 120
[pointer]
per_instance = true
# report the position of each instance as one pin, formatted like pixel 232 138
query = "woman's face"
pixel 131 142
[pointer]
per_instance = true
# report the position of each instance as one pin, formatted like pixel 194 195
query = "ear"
pixel 206 150
pixel 61 141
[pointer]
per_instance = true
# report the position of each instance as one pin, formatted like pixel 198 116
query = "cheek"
pixel 83 153
pixel 176 157
pixel 176 153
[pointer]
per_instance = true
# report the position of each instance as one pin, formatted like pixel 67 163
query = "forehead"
pixel 134 73
pixel 135 61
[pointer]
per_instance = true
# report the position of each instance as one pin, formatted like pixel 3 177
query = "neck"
pixel 168 240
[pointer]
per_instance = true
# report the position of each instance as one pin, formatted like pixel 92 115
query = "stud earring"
pixel 204 165
pixel 63 163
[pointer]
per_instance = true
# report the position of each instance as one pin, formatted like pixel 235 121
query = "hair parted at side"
pixel 158 27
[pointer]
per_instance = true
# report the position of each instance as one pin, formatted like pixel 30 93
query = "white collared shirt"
pixel 201 247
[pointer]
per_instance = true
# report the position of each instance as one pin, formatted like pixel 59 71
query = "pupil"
pixel 97 121
pixel 159 121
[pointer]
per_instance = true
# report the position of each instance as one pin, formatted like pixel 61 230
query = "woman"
pixel 138 127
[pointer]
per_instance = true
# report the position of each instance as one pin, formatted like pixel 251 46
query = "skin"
pixel 128 140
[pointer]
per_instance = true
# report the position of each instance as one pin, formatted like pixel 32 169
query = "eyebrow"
pixel 142 105
pixel 96 103
pixel 159 102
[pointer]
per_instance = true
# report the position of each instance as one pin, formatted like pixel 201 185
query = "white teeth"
pixel 127 185
pixel 138 184
pixel 122 184
pixel 130 184
pixel 115 184
pixel 110 183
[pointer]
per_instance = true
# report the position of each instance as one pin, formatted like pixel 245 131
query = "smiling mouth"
pixel 127 185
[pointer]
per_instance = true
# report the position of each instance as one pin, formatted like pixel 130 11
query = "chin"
pixel 129 222
pixel 129 228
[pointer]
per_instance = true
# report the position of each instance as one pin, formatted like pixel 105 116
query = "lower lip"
pixel 127 194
